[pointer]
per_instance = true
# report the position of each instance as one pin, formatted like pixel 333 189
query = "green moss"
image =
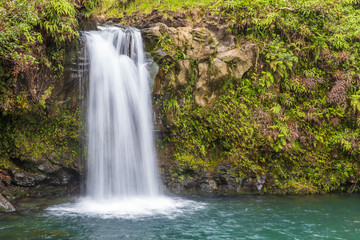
pixel 31 136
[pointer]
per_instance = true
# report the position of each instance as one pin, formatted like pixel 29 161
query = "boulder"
pixel 5 205
pixel 196 43
pixel 22 178
pixel 229 55
pixel 241 58
pixel 214 60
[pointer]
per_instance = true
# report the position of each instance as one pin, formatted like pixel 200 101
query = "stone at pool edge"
pixel 5 205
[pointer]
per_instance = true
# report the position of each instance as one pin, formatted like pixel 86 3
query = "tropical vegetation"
pixel 294 118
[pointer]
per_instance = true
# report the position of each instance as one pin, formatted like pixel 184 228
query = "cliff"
pixel 248 97
pixel 252 99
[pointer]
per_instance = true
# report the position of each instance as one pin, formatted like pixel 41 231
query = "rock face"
pixel 222 179
pixel 40 151
pixel 196 60
pixel 199 58
pixel 43 179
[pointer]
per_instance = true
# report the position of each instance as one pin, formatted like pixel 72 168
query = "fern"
pixel 276 109
pixel 355 101
pixel 234 4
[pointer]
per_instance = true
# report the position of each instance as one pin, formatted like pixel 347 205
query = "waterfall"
pixel 121 155
pixel 122 177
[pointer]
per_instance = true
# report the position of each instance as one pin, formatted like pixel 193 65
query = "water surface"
pixel 244 217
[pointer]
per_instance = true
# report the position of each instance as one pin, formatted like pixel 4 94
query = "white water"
pixel 128 208
pixel 121 156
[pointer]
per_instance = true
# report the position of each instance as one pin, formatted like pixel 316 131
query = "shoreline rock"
pixel 5 205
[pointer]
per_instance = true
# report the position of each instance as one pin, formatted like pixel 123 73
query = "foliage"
pixel 132 6
pixel 58 19
pixel 28 136
pixel 99 7
pixel 25 25
pixel 33 36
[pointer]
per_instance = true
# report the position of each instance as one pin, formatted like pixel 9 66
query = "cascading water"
pixel 122 178
pixel 121 155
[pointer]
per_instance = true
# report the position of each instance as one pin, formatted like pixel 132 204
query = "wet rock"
pixel 157 87
pixel 87 24
pixel 159 54
pixel 40 177
pixel 62 177
pixel 238 189
pixel 247 58
pixel 200 181
pixel 5 178
pixel 196 43
pixel 249 185
pixel 7 181
pixel 222 180
pixel 40 207
pixel 47 167
pixel 224 176
pixel 201 87
pixel 201 57
pixel 5 205
pixel 209 186
pixel 22 178
pixel 260 182
pixel 151 37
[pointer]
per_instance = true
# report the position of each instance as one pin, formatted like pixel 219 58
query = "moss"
pixel 30 137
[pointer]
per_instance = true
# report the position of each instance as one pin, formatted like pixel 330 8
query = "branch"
pixel 288 8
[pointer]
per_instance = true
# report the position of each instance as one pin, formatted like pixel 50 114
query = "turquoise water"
pixel 244 217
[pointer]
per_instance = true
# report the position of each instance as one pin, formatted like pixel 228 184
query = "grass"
pixel 146 6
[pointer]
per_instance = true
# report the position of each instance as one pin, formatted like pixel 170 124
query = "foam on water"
pixel 128 208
